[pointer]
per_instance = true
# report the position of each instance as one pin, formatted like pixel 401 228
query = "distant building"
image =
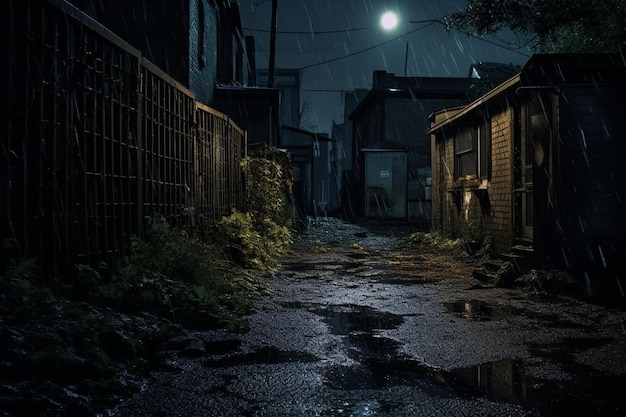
pixel 288 82
pixel 342 135
pixel 312 156
pixel 393 117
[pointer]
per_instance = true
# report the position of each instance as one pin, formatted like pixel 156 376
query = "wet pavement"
pixel 357 323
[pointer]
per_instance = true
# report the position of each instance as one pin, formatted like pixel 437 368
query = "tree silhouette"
pixel 550 25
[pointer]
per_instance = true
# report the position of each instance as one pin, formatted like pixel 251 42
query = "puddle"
pixel 479 310
pixel 506 381
pixel 346 319
pixel 501 380
pixel 266 355
pixel 381 366
pixel 220 347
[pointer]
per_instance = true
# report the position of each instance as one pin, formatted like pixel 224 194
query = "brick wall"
pixel 500 220
pixel 202 75
pixel 455 206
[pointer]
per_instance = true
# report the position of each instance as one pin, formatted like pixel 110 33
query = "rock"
pixel 551 282
pixel 506 275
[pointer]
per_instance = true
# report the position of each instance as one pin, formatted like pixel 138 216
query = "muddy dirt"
pixel 358 322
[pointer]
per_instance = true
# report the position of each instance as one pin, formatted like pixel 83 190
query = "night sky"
pixel 433 51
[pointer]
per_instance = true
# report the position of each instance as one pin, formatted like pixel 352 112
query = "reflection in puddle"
pixel 381 366
pixel 500 380
pixel 346 319
pixel 506 381
pixel 479 310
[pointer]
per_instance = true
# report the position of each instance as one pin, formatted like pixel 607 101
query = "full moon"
pixel 389 20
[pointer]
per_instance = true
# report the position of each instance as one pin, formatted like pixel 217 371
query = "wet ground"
pixel 358 323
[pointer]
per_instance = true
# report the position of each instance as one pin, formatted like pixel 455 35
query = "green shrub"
pixel 258 237
pixel 267 192
pixel 252 245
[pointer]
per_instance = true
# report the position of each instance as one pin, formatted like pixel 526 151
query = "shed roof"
pixel 546 71
pixel 456 113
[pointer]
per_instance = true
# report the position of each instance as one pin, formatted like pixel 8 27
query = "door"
pixel 523 176
pixel 535 167
pixel 527 178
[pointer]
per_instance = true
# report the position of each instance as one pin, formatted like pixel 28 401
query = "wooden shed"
pixel 540 162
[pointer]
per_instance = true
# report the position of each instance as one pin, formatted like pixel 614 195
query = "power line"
pixel 403 35
pixel 326 90
pixel 309 32
pixel 495 43
pixel 363 50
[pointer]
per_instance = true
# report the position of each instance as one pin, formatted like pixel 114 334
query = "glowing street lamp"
pixel 389 20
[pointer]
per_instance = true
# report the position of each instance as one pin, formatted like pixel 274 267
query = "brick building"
pixel 539 161
pixel 199 43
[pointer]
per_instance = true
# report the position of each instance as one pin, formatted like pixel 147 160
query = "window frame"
pixel 475 143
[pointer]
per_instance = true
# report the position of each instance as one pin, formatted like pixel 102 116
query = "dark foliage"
pixel 550 25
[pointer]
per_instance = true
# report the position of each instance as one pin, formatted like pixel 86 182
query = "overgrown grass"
pixel 436 240
pixel 64 347
pixel 178 278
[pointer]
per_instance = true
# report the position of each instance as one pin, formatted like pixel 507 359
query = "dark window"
pixel 465 153
pixel 472 151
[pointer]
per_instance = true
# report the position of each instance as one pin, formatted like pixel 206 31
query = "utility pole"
pixel 272 69
pixel 406 55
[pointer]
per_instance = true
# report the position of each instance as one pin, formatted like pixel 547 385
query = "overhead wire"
pixel 383 43
pixel 363 50
pixel 309 32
